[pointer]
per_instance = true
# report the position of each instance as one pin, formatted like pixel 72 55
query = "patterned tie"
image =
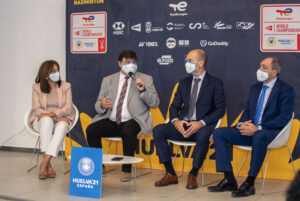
pixel 121 100
pixel 260 105
pixel 193 98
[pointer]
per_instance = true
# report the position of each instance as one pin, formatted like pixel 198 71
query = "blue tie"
pixel 260 105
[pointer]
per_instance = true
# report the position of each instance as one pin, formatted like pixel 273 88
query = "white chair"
pixel 279 142
pixel 187 144
pixel 37 144
pixel 119 139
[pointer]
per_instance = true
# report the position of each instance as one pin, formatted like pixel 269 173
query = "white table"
pixel 107 160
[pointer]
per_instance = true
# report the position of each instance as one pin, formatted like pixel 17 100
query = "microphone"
pixel 132 75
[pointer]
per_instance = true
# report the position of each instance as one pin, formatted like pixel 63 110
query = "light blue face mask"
pixel 262 75
pixel 130 67
pixel 190 67
pixel 54 77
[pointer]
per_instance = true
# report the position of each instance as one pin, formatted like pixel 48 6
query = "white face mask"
pixel 190 67
pixel 262 76
pixel 130 67
pixel 54 77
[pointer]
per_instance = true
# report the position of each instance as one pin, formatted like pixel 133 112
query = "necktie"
pixel 121 100
pixel 193 98
pixel 260 105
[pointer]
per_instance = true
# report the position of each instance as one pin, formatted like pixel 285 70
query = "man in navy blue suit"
pixel 197 106
pixel 270 107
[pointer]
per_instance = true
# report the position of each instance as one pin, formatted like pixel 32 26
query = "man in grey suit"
pixel 123 108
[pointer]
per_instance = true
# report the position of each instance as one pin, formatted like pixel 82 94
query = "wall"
pixel 31 31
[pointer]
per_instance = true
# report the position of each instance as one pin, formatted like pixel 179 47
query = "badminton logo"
pixel 86 166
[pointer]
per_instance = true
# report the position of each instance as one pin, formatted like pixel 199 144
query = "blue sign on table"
pixel 86 172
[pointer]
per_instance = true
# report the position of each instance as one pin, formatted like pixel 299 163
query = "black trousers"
pixel 128 131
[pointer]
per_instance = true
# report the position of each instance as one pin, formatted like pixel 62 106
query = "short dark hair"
pixel 45 68
pixel 127 54
pixel 293 192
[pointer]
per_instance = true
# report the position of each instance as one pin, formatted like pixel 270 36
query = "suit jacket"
pixel 39 102
pixel 138 103
pixel 210 105
pixel 279 107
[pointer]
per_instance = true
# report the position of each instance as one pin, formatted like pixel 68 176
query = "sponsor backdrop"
pixel 236 35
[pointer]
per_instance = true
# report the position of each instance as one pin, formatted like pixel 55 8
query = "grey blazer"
pixel 138 104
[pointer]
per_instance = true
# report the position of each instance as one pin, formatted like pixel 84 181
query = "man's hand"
pixel 106 103
pixel 194 126
pixel 248 128
pixel 140 82
pixel 179 126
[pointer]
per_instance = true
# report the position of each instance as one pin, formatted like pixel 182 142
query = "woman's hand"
pixel 63 119
pixel 50 114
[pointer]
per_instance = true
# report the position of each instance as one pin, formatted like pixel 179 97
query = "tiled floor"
pixel 17 183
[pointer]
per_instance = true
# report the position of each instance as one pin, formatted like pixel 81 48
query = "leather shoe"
pixel 125 177
pixel 245 190
pixel 191 182
pixel 224 185
pixel 43 174
pixel 167 180
pixel 51 172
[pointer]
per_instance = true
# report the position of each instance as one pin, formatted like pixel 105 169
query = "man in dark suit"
pixel 123 108
pixel 197 106
pixel 270 107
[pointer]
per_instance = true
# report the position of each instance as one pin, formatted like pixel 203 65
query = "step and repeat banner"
pixel 236 35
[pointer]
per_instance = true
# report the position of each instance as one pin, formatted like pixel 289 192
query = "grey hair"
pixel 276 64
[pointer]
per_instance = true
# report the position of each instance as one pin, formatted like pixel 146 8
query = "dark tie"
pixel 260 105
pixel 120 101
pixel 193 98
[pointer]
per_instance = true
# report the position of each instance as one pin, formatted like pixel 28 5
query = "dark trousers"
pixel 259 142
pixel 128 131
pixel 163 132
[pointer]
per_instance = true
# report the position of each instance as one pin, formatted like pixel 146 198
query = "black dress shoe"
pixel 224 185
pixel 245 190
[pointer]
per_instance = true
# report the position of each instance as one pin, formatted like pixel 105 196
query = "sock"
pixel 169 168
pixel 251 180
pixel 229 176
pixel 194 171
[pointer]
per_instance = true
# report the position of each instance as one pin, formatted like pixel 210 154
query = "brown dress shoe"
pixel 167 180
pixel 191 182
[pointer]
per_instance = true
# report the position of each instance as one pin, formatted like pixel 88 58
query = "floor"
pixel 17 184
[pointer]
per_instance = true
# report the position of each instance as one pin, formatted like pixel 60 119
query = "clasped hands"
pixel 247 128
pixel 192 127
pixel 53 116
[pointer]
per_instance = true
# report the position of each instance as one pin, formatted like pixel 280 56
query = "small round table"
pixel 107 160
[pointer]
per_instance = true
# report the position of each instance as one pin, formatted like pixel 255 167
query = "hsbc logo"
pixel 118 28
pixel 179 8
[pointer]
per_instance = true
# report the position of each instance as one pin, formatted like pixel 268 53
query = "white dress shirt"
pixel 125 115
pixel 194 118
